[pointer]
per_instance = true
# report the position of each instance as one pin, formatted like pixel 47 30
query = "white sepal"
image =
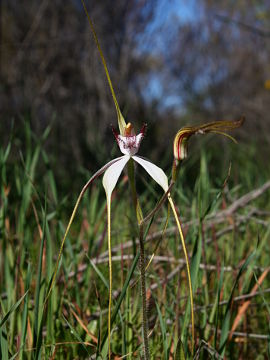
pixel 154 171
pixel 112 174
pixel 101 171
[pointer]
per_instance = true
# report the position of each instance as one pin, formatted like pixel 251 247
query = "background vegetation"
pixel 171 65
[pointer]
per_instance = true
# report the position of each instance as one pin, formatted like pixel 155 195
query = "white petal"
pixel 154 171
pixel 112 174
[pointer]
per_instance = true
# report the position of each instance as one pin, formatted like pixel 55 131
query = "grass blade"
pixel 163 333
pixel 220 283
pixel 226 322
pixel 25 310
pixel 12 309
pixel 77 336
pixel 38 284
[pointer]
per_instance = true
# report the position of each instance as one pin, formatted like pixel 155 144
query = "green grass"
pixel 228 254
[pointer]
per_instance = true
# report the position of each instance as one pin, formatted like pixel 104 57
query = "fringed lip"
pixel 129 143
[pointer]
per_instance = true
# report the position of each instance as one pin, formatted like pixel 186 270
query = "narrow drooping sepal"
pixel 180 145
pixel 113 173
pixel 154 171
pixel 101 171
pixel 86 186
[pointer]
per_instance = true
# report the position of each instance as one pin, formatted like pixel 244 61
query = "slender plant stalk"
pixel 140 220
pixel 110 274
pixel 187 266
pixel 143 292
pixel 136 203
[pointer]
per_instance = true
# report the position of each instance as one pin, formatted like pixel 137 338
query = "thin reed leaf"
pixel 12 309
pixel 121 120
pixel 99 273
pixel 16 354
pixel 266 304
pixel 164 342
pixel 226 321
pixel 76 335
pixel 50 176
pixel 25 310
pixel 4 343
pixel 128 330
pixel 6 153
pixel 54 298
pixel 39 275
pixel 220 284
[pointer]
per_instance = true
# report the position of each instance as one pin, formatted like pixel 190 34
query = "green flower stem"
pixel 139 215
pixel 143 290
pixel 188 269
pixel 175 169
pixel 110 274
pixel 131 177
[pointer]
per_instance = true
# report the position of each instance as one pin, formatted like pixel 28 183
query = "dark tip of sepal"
pixel 115 133
pixel 143 129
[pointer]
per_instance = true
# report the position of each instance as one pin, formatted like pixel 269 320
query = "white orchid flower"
pixel 129 145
